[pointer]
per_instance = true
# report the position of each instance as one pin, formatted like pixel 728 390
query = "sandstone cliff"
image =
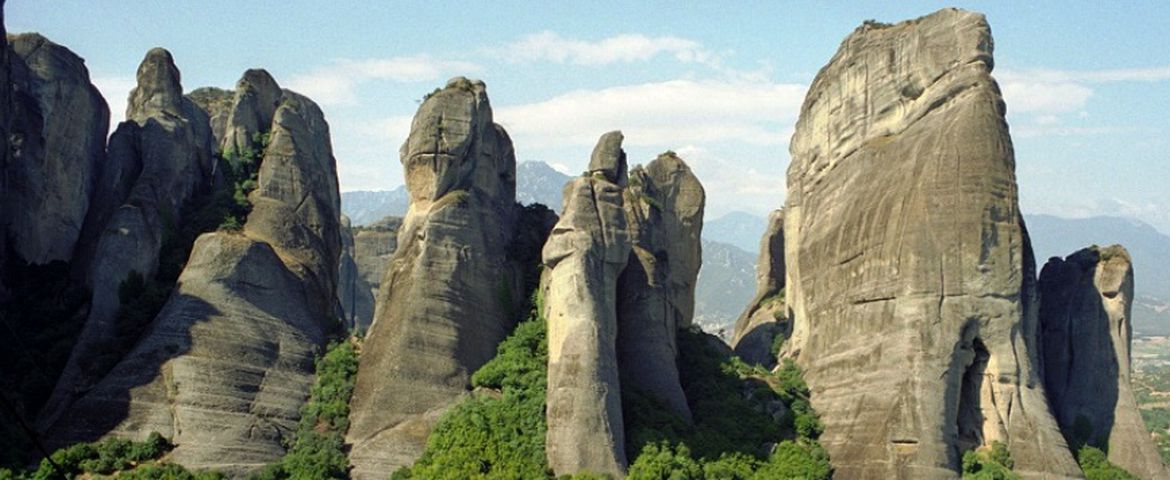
pixel 225 367
pixel 620 271
pixel 759 324
pixel 909 273
pixel 450 292
pixel 56 128
pixel 1085 335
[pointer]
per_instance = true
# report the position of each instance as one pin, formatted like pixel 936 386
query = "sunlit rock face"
pixel 909 271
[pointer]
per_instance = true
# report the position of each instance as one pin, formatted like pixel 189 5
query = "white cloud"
pixel 116 90
pixel 551 47
pixel 336 84
pixel 1044 98
pixel 664 113
pixel 1049 130
pixel 1152 74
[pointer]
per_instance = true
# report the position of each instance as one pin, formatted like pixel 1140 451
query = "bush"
pixel 1096 465
pixel 993 463
pixel 318 450
pixel 496 437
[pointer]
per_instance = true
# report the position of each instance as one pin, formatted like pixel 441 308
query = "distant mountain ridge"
pixel 536 182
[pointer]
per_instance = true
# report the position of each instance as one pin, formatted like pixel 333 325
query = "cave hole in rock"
pixel 970 418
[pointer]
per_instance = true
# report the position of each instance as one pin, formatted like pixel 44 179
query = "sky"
pixel 1087 84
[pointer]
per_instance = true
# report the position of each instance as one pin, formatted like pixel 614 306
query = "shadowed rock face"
pixel 56 125
pixel 620 271
pixel 367 254
pixel 758 325
pixel 157 161
pixel 910 277
pixel 1085 342
pixel 217 103
pixel 226 366
pixel 449 293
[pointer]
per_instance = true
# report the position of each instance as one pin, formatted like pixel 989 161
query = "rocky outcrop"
pixel 909 272
pixel 56 123
pixel 758 325
pixel 158 159
pixel 620 272
pixel 448 296
pixel 587 251
pixel 656 291
pixel 225 367
pixel 257 97
pixel 366 254
pixel 1085 337
pixel 217 103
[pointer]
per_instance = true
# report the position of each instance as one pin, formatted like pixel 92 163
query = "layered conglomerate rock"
pixel 1085 334
pixel 910 280
pixel 620 272
pixel 55 130
pixel 759 324
pixel 448 296
pixel 225 367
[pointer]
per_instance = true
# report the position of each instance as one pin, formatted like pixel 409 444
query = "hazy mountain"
pixel 1150 249
pixel 741 229
pixel 366 207
pixel 726 284
pixel 536 182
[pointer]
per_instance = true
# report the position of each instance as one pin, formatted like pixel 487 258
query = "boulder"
pixel 909 273
pixel 226 366
pixel 56 123
pixel 449 293
pixel 1085 334
pixel 764 319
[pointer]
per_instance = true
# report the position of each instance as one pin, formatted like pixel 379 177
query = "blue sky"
pixel 1087 84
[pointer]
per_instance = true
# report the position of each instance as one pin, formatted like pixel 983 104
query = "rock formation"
pixel 226 366
pixel 217 103
pixel 366 254
pixel 620 271
pixel 56 126
pixel 909 272
pixel 159 159
pixel 760 323
pixel 450 292
pixel 1085 344
pixel 587 251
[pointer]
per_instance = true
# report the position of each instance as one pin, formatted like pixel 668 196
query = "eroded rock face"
pixel 56 125
pixel 760 323
pixel 158 160
pixel 620 272
pixel 226 366
pixel 909 273
pixel 587 251
pixel 217 103
pixel 257 96
pixel 368 251
pixel 664 211
pixel 449 293
pixel 1085 339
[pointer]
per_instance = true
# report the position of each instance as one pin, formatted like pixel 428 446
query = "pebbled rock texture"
pixel 1085 336
pixel 910 278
